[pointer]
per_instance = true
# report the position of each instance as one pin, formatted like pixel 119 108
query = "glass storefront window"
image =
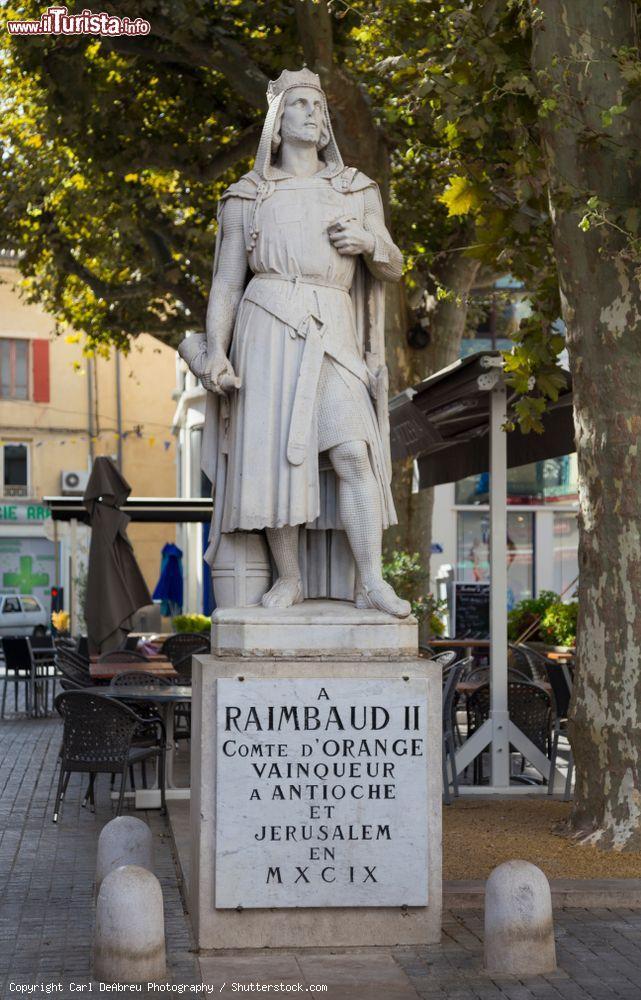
pixel 473 551
pixel 565 555
pixel 551 481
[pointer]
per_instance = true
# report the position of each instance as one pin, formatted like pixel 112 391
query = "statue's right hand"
pixel 219 376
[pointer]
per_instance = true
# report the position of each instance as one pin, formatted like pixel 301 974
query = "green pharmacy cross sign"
pixel 25 579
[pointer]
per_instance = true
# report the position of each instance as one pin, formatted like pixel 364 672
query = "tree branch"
pixel 314 23
pixel 224 55
pixel 67 264
pixel 228 156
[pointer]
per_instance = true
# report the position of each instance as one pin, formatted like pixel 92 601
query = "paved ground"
pixel 46 915
pixel 47 870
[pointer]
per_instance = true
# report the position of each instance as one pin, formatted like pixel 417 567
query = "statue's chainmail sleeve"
pixel 386 262
pixel 229 279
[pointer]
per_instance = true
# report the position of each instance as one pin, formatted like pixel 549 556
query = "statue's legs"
pixel 360 511
pixel 288 589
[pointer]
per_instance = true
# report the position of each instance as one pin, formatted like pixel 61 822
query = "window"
pixel 14 369
pixel 11 605
pixel 14 465
pixel 29 604
pixel 473 545
pixel 566 544
pixel 549 482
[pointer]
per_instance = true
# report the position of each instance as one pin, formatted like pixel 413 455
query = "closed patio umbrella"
pixel 169 589
pixel 115 585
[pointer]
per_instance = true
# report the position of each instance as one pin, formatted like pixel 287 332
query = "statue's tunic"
pixel 305 386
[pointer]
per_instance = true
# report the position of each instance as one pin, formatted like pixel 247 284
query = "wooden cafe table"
pixel 160 665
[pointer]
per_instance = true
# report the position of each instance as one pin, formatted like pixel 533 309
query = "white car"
pixel 22 614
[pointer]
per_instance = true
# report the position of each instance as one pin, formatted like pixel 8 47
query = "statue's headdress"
pixel 276 91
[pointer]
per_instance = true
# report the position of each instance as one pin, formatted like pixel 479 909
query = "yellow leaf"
pixel 461 196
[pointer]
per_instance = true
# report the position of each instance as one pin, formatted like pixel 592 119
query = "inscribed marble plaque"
pixel 321 793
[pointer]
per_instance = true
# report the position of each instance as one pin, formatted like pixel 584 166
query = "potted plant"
pixel 191 623
pixel 546 621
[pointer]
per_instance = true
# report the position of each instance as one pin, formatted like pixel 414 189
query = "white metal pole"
pixel 498 590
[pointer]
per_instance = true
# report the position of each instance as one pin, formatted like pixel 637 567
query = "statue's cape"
pixel 368 297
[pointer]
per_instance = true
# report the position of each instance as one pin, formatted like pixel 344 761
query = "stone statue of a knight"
pixel 296 439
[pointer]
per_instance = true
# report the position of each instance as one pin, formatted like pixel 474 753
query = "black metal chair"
pixel 70 670
pixel 467 664
pixel 527 661
pixel 123 656
pixel 69 652
pixel 451 680
pixel 177 647
pixel 482 675
pixel 182 712
pixel 97 739
pixel 68 685
pixel 529 707
pixel 559 677
pixel 46 675
pixel 180 648
pixel 560 680
pixel 19 669
pixel 445 659
pixel 140 679
pixel 147 733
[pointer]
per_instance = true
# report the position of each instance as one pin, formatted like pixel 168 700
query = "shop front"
pixel 29 559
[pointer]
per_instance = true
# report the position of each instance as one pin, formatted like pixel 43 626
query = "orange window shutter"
pixel 40 350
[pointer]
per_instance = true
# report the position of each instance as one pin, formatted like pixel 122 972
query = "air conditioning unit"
pixel 73 482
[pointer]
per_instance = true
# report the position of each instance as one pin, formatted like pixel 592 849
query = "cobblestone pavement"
pixel 47 870
pixel 46 913
pixel 598 954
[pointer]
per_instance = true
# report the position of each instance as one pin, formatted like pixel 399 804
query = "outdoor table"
pixel 459 643
pixel 151 658
pixel 165 698
pixel 105 671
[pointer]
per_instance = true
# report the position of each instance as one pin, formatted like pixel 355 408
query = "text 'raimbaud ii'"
pixel 321 793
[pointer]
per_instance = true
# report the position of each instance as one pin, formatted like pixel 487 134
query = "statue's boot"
pixel 382 597
pixel 287 590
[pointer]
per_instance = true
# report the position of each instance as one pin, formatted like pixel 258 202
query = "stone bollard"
pixel 129 942
pixel 519 931
pixel 125 840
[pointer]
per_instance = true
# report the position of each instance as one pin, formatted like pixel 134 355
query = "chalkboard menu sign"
pixel 472 610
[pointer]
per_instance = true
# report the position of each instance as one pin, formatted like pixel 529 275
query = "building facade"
pixel 59 410
pixel 542 529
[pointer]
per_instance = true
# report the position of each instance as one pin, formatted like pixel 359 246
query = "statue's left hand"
pixel 350 238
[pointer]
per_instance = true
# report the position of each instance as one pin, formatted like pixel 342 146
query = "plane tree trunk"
pixel 591 152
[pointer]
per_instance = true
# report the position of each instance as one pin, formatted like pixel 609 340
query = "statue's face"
pixel 302 116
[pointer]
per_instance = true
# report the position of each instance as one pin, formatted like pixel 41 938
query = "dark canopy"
pixel 443 423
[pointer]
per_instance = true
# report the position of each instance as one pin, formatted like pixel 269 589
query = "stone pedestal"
pixel 316 781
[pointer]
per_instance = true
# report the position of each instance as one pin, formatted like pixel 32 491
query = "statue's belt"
pixel 319 340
